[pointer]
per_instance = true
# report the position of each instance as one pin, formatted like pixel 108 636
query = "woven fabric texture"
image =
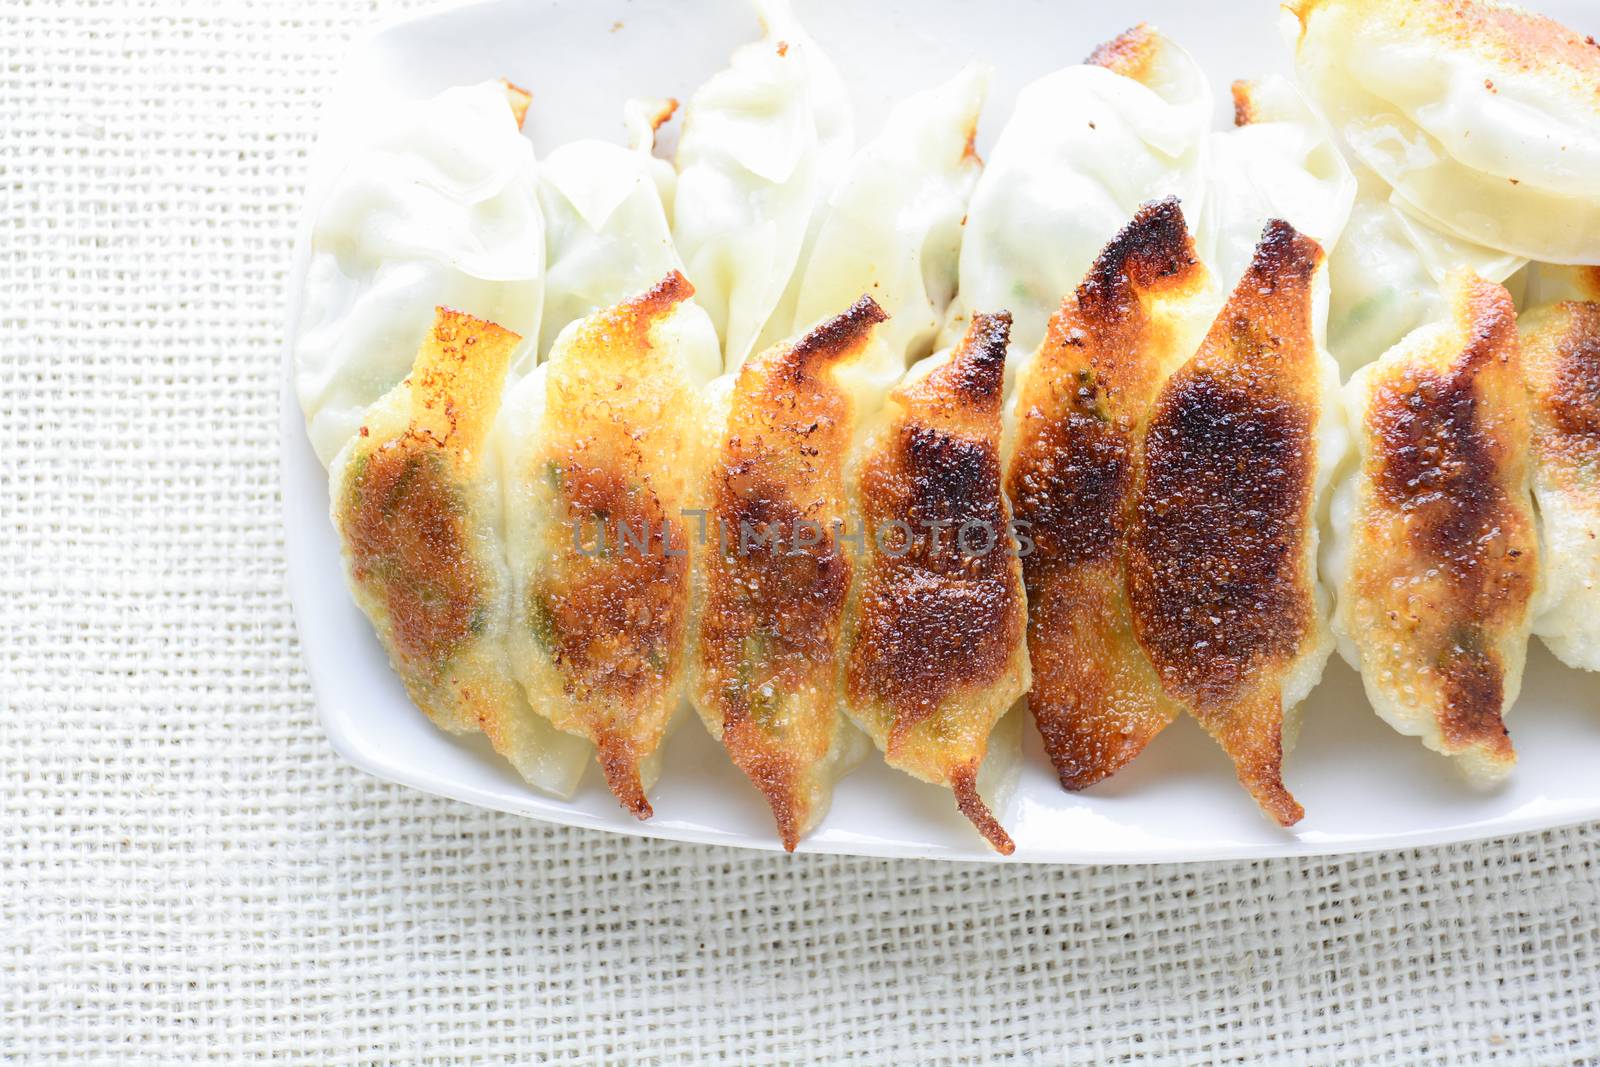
pixel 188 871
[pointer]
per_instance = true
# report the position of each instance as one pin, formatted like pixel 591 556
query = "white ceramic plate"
pixel 1363 786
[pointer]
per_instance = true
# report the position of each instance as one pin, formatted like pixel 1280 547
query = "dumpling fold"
pixel 439 208
pixel 1483 118
pixel 1084 147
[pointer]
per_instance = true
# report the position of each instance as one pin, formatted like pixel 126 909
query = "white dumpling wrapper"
pixel 438 209
pixel 1482 117
pixel 1084 148
pixel 759 143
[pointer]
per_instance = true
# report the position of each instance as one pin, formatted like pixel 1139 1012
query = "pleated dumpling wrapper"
pixel 762 143
pixel 1075 428
pixel 1083 149
pixel 1388 274
pixel 601 451
pixel 1221 564
pixel 439 208
pixel 1278 162
pixel 1482 117
pixel 608 231
pixel 772 574
pixel 1438 562
pixel 416 502
pixel 936 644
pixel 1561 363
pixel 892 229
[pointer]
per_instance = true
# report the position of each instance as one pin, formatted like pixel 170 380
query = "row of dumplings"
pixel 1130 391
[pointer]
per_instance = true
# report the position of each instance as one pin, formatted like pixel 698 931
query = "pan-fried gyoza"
pixel 416 506
pixel 775 577
pixel 703 473
pixel 1222 556
pixel 1077 420
pixel 600 457
pixel 1442 561
pixel 936 648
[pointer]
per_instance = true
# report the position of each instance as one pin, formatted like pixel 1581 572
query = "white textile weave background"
pixel 188 871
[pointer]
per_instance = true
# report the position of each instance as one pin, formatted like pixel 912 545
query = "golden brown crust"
pixel 404 509
pixel 937 653
pixel 1444 559
pixel 1503 35
pixel 519 99
pixel 1244 105
pixel 1561 363
pixel 1081 411
pixel 609 606
pixel 1222 601
pixel 1130 54
pixel 772 612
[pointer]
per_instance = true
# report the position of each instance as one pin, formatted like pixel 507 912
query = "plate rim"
pixel 294 448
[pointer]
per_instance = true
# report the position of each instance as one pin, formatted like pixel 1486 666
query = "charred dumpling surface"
pixel 774 576
pixel 937 650
pixel 1561 364
pixel 1443 555
pixel 604 601
pixel 1080 412
pixel 1220 563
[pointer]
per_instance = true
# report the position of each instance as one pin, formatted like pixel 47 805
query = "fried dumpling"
pixel 892 227
pixel 439 208
pixel 772 574
pixel 608 233
pixel 1075 422
pixel 601 449
pixel 936 649
pixel 1561 365
pixel 416 505
pixel 761 143
pixel 1221 562
pixel 1279 162
pixel 1084 148
pixel 1482 117
pixel 1441 564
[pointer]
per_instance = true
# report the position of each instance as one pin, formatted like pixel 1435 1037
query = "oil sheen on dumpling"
pixel 601 452
pixel 607 229
pixel 416 505
pixel 772 574
pixel 892 226
pixel 1561 364
pixel 1221 560
pixel 1441 565
pixel 440 208
pixel 762 142
pixel 1484 118
pixel 1084 148
pixel 1279 162
pixel 936 643
pixel 1075 422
